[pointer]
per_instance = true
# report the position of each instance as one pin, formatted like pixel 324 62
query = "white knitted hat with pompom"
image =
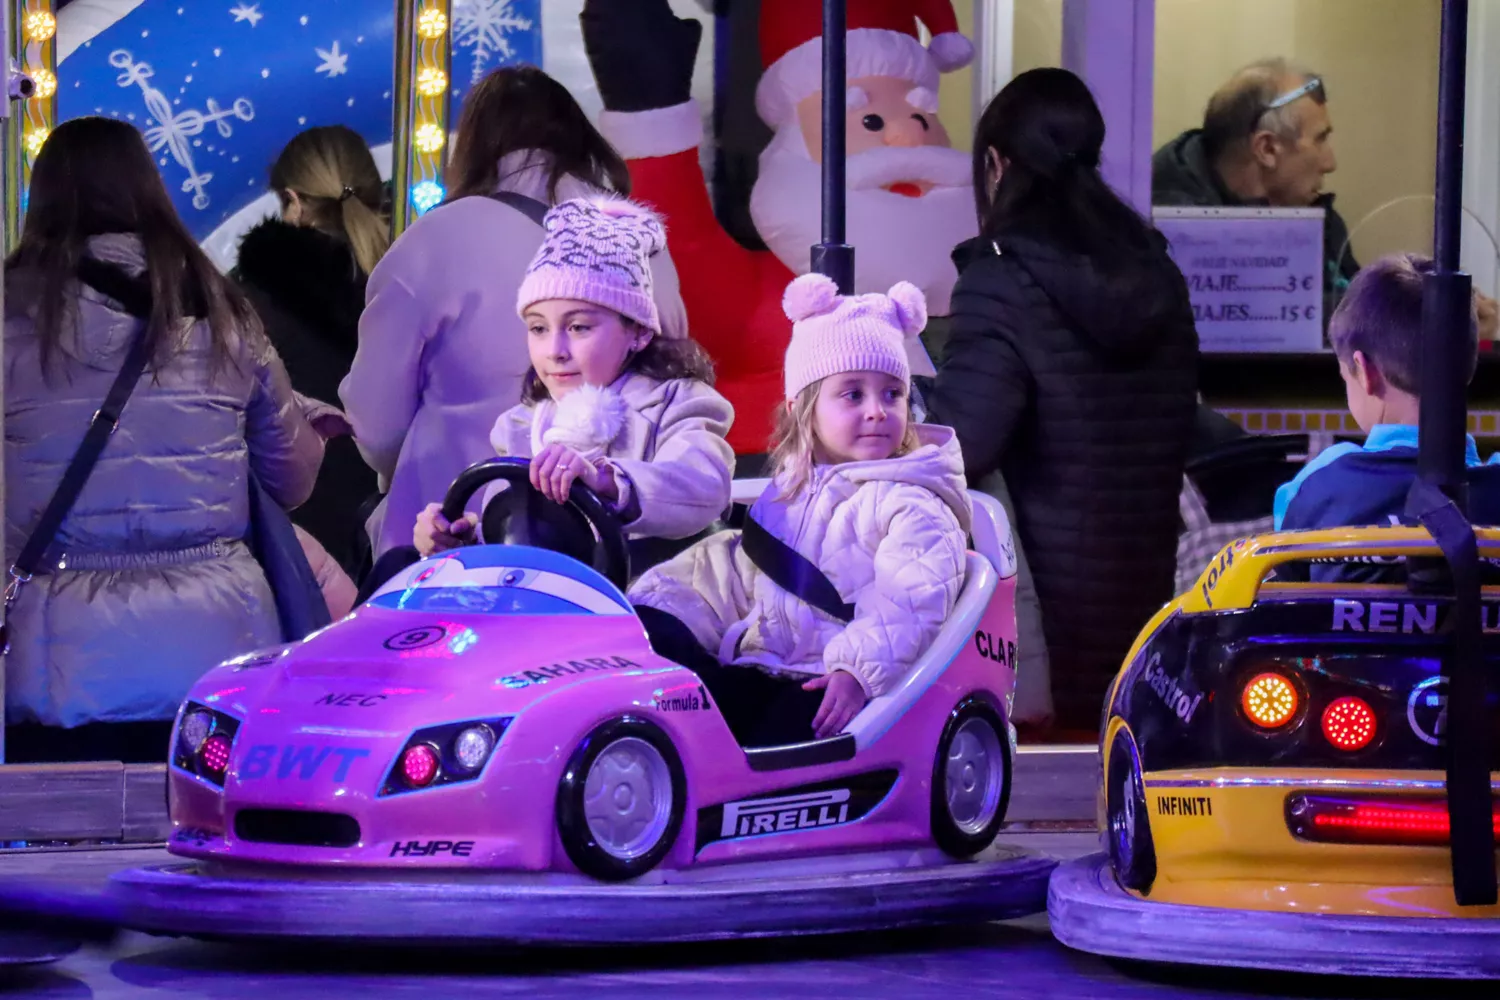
pixel 833 333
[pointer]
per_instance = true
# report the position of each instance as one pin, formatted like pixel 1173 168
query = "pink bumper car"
pixel 489 750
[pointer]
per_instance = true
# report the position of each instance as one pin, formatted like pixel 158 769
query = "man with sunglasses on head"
pixel 1264 141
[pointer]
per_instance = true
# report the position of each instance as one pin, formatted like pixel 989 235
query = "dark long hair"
pixel 95 176
pixel 1048 133
pixel 520 107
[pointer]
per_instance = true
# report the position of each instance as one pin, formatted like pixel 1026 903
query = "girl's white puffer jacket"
pixel 890 535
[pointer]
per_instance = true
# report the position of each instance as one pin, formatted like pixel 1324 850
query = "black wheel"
pixel 621 800
pixel 1131 849
pixel 970 779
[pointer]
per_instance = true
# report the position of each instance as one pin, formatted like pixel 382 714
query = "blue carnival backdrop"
pixel 219 86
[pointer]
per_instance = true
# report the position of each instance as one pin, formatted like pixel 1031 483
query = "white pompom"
pixel 588 420
pixel 635 215
pixel 808 296
pixel 911 307
pixel 951 51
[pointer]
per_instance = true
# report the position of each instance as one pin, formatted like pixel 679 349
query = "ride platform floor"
pixel 1016 960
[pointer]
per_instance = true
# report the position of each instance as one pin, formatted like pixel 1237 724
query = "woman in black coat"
pixel 305 274
pixel 1071 368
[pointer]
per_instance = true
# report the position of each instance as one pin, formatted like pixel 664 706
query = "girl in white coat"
pixel 875 501
pixel 440 352
pixel 610 399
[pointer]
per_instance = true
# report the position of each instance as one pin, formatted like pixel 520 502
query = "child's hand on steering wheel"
pixel 433 533
pixel 556 466
pixel 844 697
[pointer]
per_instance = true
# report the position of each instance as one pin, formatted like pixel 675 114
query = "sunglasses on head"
pixel 1314 87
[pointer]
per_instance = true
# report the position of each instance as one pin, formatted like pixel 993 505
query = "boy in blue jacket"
pixel 1376 333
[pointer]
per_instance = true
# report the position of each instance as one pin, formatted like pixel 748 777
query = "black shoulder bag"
pixel 117 285
pixel 534 210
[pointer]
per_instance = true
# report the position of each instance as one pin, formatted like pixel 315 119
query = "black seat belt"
pixel 792 571
pixel 1463 665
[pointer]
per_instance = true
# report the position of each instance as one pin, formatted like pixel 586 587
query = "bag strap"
pixel 113 282
pixel 792 571
pixel 534 210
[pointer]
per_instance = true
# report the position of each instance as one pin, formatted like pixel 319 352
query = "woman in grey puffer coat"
pixel 149 582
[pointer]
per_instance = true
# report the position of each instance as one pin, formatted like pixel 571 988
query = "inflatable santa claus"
pixel 909 192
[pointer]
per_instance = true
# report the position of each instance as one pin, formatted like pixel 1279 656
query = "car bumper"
pixel 1222 839
pixel 473 825
pixel 1088 910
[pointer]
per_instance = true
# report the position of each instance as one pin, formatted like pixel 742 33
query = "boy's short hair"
pixel 1381 315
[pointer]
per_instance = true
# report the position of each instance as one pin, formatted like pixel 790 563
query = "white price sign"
pixel 1255 275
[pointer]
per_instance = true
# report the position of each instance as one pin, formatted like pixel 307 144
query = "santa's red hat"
pixel 882 41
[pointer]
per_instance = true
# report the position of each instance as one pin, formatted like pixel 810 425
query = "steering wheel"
pixel 611 556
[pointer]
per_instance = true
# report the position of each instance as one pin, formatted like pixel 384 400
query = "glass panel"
pixel 1381 80
pixel 1039 32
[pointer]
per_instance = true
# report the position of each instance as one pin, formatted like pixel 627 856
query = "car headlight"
pixel 472 746
pixel 420 765
pixel 203 742
pixel 444 755
pixel 196 727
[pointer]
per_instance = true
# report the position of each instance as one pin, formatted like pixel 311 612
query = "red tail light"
pixel 1390 821
pixel 1349 723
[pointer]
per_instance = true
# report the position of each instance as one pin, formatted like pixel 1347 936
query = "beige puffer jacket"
pixel 890 535
pixel 149 582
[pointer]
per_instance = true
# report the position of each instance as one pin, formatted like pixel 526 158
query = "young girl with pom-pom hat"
pixel 875 501
pixel 609 400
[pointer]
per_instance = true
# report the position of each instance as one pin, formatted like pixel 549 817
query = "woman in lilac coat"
pixel 441 351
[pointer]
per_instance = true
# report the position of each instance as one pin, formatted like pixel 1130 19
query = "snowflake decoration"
pixel 174 130
pixel 247 12
pixel 485 26
pixel 335 63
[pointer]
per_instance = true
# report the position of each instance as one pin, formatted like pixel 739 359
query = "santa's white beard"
pixel 896 238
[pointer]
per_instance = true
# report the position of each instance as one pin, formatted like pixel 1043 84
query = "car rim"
pixel 1123 820
pixel 975 773
pixel 627 798
pixel 1122 817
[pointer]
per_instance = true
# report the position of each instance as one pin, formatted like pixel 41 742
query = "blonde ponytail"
pixel 334 176
pixel 368 233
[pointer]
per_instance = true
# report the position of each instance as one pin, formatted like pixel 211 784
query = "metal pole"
pixel 833 256
pixel 1447 293
pixel 1440 497
pixel 1452 70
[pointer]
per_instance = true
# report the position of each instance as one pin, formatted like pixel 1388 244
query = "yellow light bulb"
pixel 1269 700
pixel 40 25
pixel 34 140
pixel 46 83
pixel 432 23
pixel 428 138
pixel 431 82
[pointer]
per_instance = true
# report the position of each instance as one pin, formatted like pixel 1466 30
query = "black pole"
pixel 1440 496
pixel 833 256
pixel 1449 292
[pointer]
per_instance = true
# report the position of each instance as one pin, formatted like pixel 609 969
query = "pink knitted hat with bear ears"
pixel 833 333
pixel 597 250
